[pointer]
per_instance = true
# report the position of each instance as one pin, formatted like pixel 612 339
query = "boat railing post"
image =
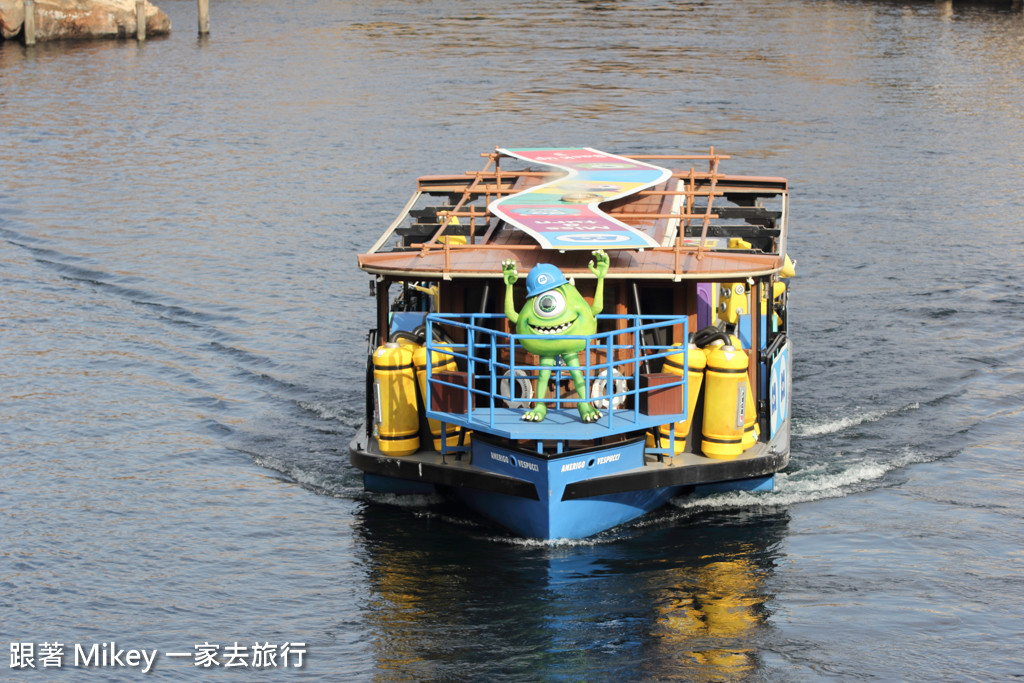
pixel 636 369
pixel 430 371
pixel 429 384
pixel 609 351
pixel 471 369
pixel 511 372
pixel 609 375
pixel 557 376
pixel 686 384
pixel 494 373
pixel 671 444
pixel 588 373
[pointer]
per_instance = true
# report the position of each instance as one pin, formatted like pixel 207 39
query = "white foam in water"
pixel 839 425
pixel 328 484
pixel 600 539
pixel 804 486
pixel 455 520
pixel 326 412
pixel 405 500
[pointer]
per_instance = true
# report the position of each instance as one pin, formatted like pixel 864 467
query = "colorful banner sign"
pixel 780 383
pixel 563 214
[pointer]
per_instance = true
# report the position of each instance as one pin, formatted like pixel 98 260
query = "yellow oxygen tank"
pixel 788 267
pixel 394 385
pixel 407 343
pixel 750 428
pixel 778 289
pixel 438 362
pixel 751 432
pixel 725 402
pixel 694 379
pixel 732 301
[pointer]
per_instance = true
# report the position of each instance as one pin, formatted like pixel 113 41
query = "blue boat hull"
pixel 564 518
pixel 568 495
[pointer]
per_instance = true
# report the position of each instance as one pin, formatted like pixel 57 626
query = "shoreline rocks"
pixel 80 19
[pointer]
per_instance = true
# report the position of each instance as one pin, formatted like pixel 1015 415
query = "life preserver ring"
pixel 517 392
pixel 600 388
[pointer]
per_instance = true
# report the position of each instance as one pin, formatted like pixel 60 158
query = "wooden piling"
pixel 30 22
pixel 204 17
pixel 140 20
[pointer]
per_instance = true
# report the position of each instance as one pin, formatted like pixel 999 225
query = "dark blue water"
pixel 182 330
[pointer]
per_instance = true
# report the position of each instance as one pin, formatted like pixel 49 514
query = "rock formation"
pixel 12 16
pixel 72 19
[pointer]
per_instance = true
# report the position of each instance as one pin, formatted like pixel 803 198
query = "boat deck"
pixel 559 424
pixel 683 469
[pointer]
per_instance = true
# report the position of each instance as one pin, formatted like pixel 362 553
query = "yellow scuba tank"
pixel 694 379
pixel 394 385
pixel 732 301
pixel 788 267
pixel 438 362
pixel 778 289
pixel 725 401
pixel 750 429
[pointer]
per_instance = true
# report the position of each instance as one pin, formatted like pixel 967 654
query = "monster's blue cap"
pixel 543 277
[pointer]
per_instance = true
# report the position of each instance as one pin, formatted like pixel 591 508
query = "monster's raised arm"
pixel 511 275
pixel 599 267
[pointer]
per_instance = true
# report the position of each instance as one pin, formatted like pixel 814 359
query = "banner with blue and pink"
pixel 563 214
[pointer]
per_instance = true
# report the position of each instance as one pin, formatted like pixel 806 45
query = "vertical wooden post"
pixel 30 22
pixel 383 288
pixel 140 20
pixel 204 17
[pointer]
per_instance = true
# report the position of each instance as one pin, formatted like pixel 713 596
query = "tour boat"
pixel 568 338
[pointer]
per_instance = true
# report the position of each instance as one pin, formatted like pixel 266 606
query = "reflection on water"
pixel 718 616
pixel 684 602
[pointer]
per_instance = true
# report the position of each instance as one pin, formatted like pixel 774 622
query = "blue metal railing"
pixel 617 356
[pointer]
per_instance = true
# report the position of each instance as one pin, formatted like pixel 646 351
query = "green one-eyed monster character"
pixel 554 310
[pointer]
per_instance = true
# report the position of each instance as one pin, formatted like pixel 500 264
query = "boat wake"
pixel 318 474
pixel 810 484
pixel 334 412
pixel 600 539
pixel 822 428
pixel 406 500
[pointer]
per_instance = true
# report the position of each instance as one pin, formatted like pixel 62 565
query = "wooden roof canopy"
pixel 691 216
